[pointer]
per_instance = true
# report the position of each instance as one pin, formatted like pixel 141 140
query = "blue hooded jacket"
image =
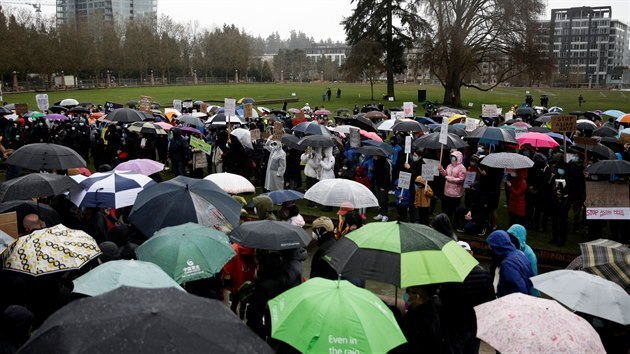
pixel 515 267
pixel 520 233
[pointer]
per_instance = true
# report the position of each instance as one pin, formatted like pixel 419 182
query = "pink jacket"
pixel 455 174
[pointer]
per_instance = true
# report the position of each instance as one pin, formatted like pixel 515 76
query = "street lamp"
pixel 63 80
pixel 195 76
pixel 152 78
pixel 236 75
pixel 16 87
pixel 109 78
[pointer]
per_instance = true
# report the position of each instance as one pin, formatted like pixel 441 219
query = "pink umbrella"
pixel 519 323
pixel 294 110
pixel 322 112
pixel 521 124
pixel 164 125
pixel 145 167
pixel 371 135
pixel 538 140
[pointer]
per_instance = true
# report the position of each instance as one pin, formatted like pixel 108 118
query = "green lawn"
pixel 351 94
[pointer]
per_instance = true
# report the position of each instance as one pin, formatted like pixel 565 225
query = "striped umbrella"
pixel 147 128
pixel 399 253
pixel 114 189
pixel 608 259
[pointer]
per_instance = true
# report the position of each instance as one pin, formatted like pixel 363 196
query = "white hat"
pixel 464 245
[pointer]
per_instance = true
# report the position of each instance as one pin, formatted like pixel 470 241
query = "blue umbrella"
pixel 492 135
pixel 558 137
pixel 387 147
pixel 425 120
pixel 284 195
pixel 623 131
pixel 613 113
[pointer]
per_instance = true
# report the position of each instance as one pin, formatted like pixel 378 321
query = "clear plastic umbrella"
pixel 333 192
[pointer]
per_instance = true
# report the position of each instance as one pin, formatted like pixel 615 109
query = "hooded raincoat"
pixel 277 165
pixel 515 267
pixel 455 174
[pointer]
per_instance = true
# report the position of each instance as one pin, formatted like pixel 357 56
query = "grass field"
pixel 351 94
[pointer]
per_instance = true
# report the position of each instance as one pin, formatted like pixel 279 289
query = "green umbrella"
pixel 331 316
pixel 187 252
pixel 400 253
pixel 112 275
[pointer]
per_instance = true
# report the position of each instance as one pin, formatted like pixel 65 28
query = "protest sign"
pixel 247 110
pixel 428 172
pixel 470 179
pixel 563 123
pixel 8 224
pixel 471 124
pixel 230 107
pixel 607 201
pixel 408 144
pixel 144 104
pixel 21 108
pixel 110 106
pixel 408 109
pixel 404 180
pixel 355 137
pixel 200 144
pixel 509 115
pixel 624 138
pixel 489 110
pixel 254 134
pixel 398 115
pixel 586 141
pixel 278 131
pixel 42 101
pixel 177 104
pixel 203 107
pixel 444 132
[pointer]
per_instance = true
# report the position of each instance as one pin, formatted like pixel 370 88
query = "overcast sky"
pixel 317 18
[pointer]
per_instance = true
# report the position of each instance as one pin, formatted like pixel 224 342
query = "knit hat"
pixel 323 222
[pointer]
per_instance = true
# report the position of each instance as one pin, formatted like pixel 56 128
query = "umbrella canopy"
pixel 528 324
pixel 25 207
pixel 146 167
pixel 322 112
pixel 58 109
pixel 284 195
pixel 309 315
pixel 376 115
pixel 370 135
pixel 35 185
pixel 245 100
pixel 316 141
pixel 539 130
pixel 491 135
pixel 220 119
pixel 183 199
pixel 114 274
pixel 507 160
pixel 624 118
pixel 44 156
pixel 386 125
pixel 409 125
pixel 609 167
pixel 69 102
pixel 604 131
pixel 291 141
pixel 145 321
pixel 361 122
pixel 147 128
pixel 5 241
pixel 311 128
pixel 187 252
pixel 125 115
pixel 387 147
pixel 432 141
pixel 403 254
pixel 371 151
pixel 79 110
pixel 537 140
pixel 270 235
pixel 608 259
pixel 334 192
pixel 587 293
pixel 114 189
pixel 56 117
pixel 232 183
pixel 164 125
pixel 613 113
pixel 50 250
pixel 600 150
pixel 452 130
pixel 559 138
pixel 190 120
pixel 244 136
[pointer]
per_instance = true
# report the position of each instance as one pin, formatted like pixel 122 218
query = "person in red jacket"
pixel 517 186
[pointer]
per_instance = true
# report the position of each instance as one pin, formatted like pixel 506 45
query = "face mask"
pixel 560 171
pixel 453 158
pixel 40 124
pixel 513 174
pixel 406 298
pixel 415 158
pixel 575 159
pixel 480 149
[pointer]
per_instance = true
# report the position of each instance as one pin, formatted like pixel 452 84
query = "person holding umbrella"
pixel 454 174
pixel 382 178
pixel 323 233
pixel 178 152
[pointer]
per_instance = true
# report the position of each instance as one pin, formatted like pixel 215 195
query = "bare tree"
pixel 364 62
pixel 467 33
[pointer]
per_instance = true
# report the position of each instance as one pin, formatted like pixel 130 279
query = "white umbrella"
pixel 333 192
pixel 68 102
pixel 586 121
pixel 264 109
pixel 587 293
pixel 386 124
pixel 199 115
pixel 244 137
pixel 231 183
pixel 507 160
pixel 343 129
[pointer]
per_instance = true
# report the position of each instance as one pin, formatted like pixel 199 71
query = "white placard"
pixel 428 172
pixel 470 104
pixel 404 180
pixel 230 107
pixel 408 109
pixel 444 131
pixel 355 137
pixel 471 124
pixel 518 131
pixel 42 101
pixel 398 114
pixel 488 110
pixel 499 111
pixel 434 163
pixel 408 144
pixel 177 104
pixel 509 115
pixel 470 179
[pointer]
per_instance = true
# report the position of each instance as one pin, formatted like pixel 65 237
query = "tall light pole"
pixel 16 86
pixel 109 78
pixel 236 76
pixel 152 78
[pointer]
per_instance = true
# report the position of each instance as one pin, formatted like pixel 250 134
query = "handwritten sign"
pixel 428 172
pixel 408 109
pixel 144 104
pixel 278 131
pixel 489 110
pixel 563 123
pixel 398 115
pixel 201 145
pixel 471 124
pixel 408 144
pixel 42 101
pixel 177 104
pixel 21 108
pixel 230 107
pixel 247 110
pixel 254 134
pixel 404 180
pixel 607 201
pixel 586 141
pixel 509 115
pixel 355 137
pixel 470 179
pixel 444 132
pixel 110 106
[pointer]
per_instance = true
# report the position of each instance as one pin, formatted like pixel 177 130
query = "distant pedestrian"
pixel 324 96
pixel 580 100
pixel 328 93
pixel 338 92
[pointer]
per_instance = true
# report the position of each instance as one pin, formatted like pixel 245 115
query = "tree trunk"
pixel 388 59
pixel 372 89
pixel 452 92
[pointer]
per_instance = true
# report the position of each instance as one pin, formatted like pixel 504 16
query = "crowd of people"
pixel 434 318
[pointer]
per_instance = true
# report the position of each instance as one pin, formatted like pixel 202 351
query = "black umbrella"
pixel 409 125
pixel 525 111
pixel 270 235
pixel 361 122
pixel 5 110
pixel 35 185
pixel 452 130
pixel 599 150
pixel 538 130
pixel 291 141
pixel 316 141
pixel 432 141
pixel 592 116
pixel 371 150
pixel 491 135
pixel 44 156
pixel 144 321
pixel 125 115
pixel 58 109
pixel 181 200
pixel 612 142
pixel 604 131
pixel 585 126
pixel 79 109
pixel 25 207
pixel 387 147
pixel 311 128
pixel 278 112
pixel 609 167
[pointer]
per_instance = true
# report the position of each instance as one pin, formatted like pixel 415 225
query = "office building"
pixel 79 12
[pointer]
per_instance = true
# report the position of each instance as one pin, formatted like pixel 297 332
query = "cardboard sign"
pixel 582 140
pixel 201 145
pixel 8 224
pixel 247 110
pixel 188 104
pixel 471 124
pixel 408 109
pixel 428 172
pixel 230 107
pixel 518 131
pixel 355 137
pixel 470 179
pixel 607 201
pixel 562 124
pixel 144 104
pixel 404 180
pixel 444 132
pixel 21 108
pixel 278 131
pixel 254 134
pixel 42 101
pixel 203 107
pixel 408 144
pixel 489 110
pixel 110 106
